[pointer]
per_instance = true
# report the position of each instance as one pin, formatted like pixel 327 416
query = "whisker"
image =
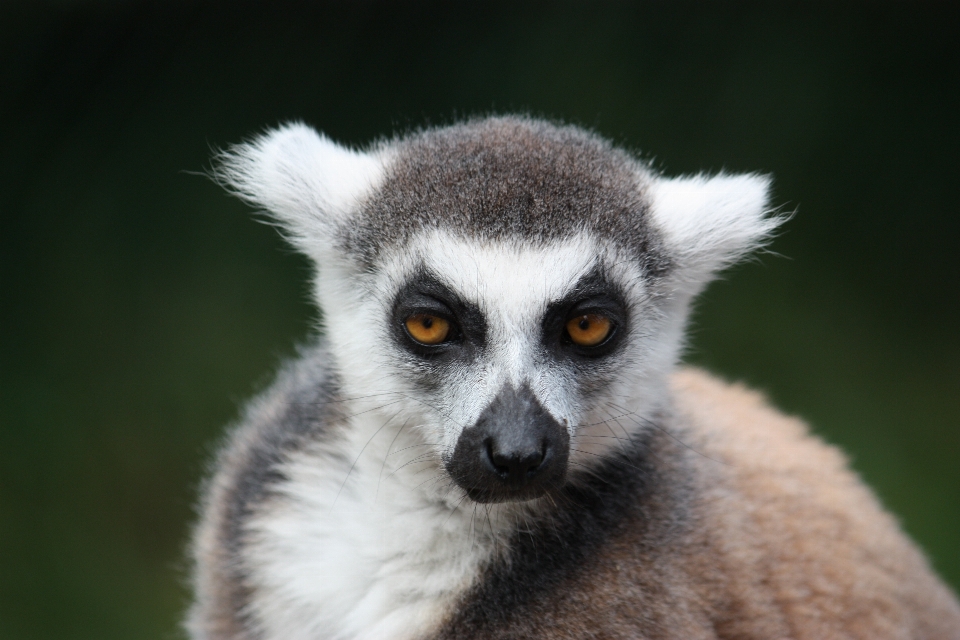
pixel 597 455
pixel 651 423
pixel 433 479
pixel 360 413
pixel 386 455
pixel 421 458
pixel 589 470
pixel 427 404
pixel 616 419
pixel 414 446
pixel 454 509
pixel 352 466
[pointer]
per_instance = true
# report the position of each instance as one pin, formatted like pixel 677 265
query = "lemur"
pixel 492 437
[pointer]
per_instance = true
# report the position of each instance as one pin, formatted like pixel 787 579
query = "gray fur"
pixel 509 177
pixel 301 406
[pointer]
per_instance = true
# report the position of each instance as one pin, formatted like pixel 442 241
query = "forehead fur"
pixel 508 179
pixel 505 277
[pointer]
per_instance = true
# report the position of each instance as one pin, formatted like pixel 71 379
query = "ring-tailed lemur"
pixel 491 440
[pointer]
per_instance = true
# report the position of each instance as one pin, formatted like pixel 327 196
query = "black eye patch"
pixel 425 294
pixel 593 296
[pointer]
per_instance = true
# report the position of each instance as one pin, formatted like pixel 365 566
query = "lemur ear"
pixel 308 183
pixel 709 223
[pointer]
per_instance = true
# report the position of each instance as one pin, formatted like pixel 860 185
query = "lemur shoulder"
pixel 492 439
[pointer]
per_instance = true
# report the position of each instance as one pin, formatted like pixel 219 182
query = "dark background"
pixel 139 305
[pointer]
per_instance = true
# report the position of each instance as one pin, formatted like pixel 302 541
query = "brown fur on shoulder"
pixel 805 546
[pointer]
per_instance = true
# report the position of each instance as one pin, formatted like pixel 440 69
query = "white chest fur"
pixel 358 543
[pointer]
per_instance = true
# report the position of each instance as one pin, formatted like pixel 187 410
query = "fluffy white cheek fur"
pixel 347 549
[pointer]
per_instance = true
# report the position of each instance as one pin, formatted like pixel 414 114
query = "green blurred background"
pixel 139 305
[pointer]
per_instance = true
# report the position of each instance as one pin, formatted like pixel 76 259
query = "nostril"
pixel 534 461
pixel 500 464
pixel 537 459
pixel 514 465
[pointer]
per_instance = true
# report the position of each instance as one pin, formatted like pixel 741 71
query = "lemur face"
pixel 509 351
pixel 501 286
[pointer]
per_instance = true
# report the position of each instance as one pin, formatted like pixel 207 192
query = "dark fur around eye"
pixel 426 294
pixel 593 294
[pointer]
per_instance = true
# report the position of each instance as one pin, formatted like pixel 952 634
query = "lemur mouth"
pixel 516 451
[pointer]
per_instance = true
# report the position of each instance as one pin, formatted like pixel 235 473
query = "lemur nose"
pixel 517 464
pixel 515 451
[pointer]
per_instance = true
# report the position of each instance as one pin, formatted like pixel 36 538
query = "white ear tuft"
pixel 710 223
pixel 309 183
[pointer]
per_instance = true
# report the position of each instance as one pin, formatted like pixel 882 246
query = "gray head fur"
pixel 510 177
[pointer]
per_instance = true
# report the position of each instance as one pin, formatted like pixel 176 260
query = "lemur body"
pixel 492 440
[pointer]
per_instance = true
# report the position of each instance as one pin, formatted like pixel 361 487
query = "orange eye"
pixel 427 329
pixel 589 330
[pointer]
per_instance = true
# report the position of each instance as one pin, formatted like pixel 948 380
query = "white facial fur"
pixel 512 285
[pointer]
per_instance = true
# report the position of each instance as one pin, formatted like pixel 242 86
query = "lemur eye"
pixel 589 330
pixel 427 329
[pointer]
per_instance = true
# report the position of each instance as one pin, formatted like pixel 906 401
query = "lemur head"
pixel 515 290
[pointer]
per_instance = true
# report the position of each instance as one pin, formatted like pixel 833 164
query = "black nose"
pixel 518 464
pixel 515 451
